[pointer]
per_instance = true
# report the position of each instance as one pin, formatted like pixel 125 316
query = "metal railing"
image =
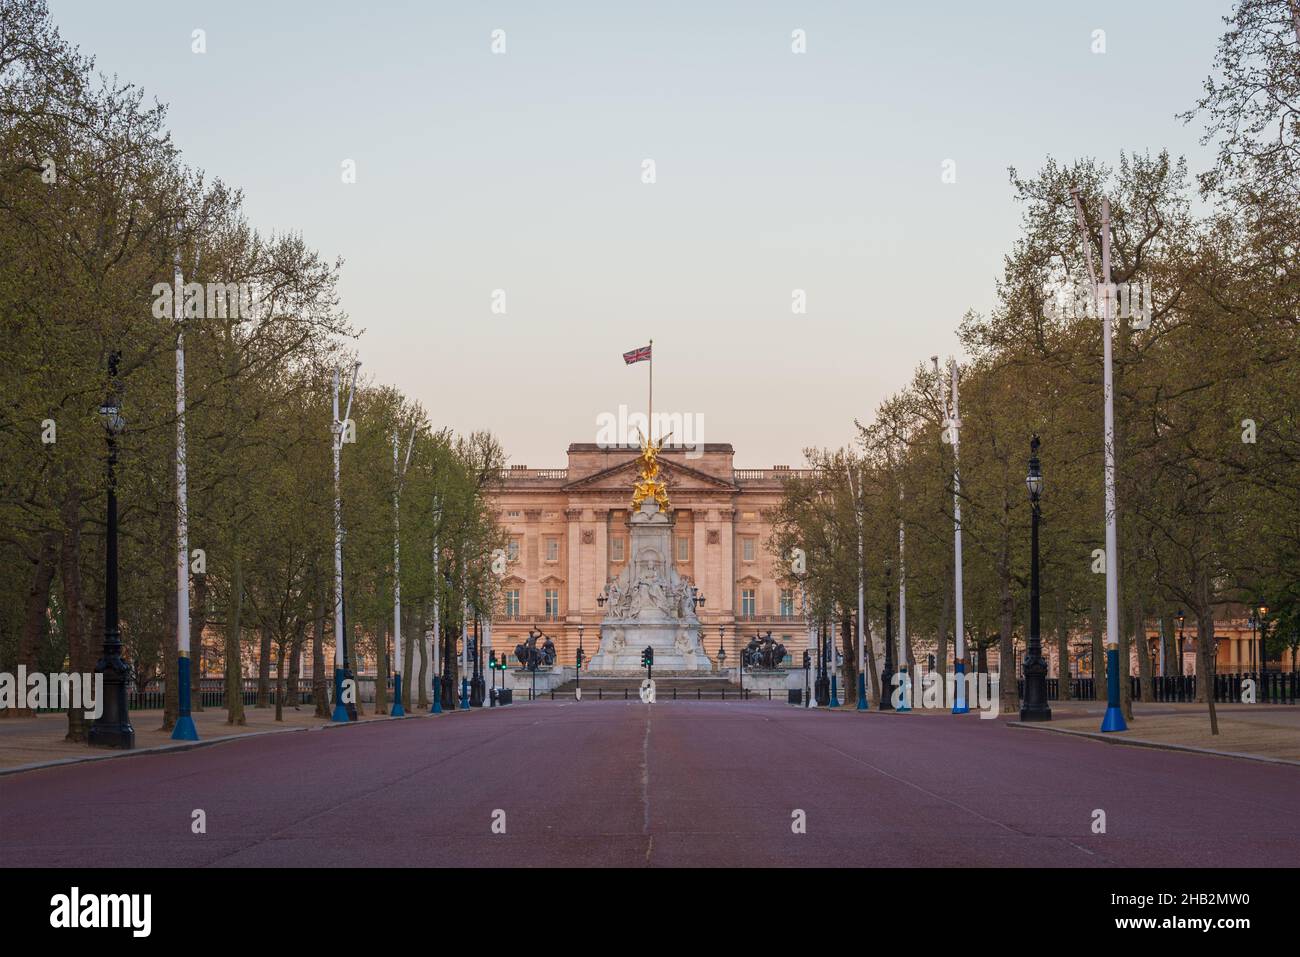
pixel 212 692
pixel 760 475
pixel 512 474
pixel 1272 687
pixel 661 694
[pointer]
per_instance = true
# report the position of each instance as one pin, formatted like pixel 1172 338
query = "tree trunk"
pixel 34 618
pixel 1008 691
pixel 1205 663
pixel 171 660
pixel 869 654
pixel 295 659
pixel 319 682
pixel 941 637
pixel 453 661
pixel 264 669
pixel 1169 636
pixel 849 644
pixel 1125 672
pixel 381 669
pixel 356 663
pixel 422 696
pixel 170 643
pixel 198 622
pixel 234 660
pixel 1098 649
pixel 279 680
pixel 1143 649
pixel 1064 686
pixel 79 657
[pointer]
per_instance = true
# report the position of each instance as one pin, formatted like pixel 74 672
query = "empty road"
pixel 675 783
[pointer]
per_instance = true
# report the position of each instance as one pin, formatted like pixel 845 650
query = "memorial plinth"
pixel 649 604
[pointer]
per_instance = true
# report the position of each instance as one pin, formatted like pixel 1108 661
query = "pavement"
pixel 671 784
pixel 40 739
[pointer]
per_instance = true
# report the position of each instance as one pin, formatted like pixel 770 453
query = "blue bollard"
pixel 397 710
pixel 960 706
pixel 184 730
pixel 340 711
pixel 1114 719
pixel 905 684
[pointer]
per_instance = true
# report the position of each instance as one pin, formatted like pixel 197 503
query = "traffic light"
pixel 807 660
pixel 492 660
pixel 643 658
pixel 580 657
pixel 649 655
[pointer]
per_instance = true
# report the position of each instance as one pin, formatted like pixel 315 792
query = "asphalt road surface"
pixel 675 783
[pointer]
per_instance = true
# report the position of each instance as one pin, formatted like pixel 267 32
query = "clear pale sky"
pixel 775 171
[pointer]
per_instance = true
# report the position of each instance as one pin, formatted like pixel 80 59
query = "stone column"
pixel 573 586
pixel 699 563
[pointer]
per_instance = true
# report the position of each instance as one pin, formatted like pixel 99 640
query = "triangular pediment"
pixel 622 477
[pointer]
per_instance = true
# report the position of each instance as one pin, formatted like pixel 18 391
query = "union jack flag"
pixel 637 355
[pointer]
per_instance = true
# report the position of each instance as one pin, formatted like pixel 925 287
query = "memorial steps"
pixel 665 683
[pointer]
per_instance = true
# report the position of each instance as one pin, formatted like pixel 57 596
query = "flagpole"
pixel 650 405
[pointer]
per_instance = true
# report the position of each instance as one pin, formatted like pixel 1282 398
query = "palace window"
pixel 747 603
pixel 514 513
pixel 683 548
pixel 552 603
pixel 552 549
pixel 512 603
pixel 747 549
pixel 616 549
pixel 787 603
pixel 512 550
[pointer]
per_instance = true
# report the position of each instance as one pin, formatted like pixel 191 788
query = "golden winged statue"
pixel 650 485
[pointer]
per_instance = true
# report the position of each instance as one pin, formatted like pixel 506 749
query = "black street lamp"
pixel 887 675
pixel 577 677
pixel 1034 706
pixel 822 689
pixel 477 690
pixel 112 729
pixel 1251 621
pixel 807 662
pixel 448 683
pixel 722 652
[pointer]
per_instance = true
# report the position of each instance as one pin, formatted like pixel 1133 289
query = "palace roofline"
pixel 725 447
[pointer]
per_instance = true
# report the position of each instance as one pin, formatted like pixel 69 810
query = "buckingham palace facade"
pixel 568 537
